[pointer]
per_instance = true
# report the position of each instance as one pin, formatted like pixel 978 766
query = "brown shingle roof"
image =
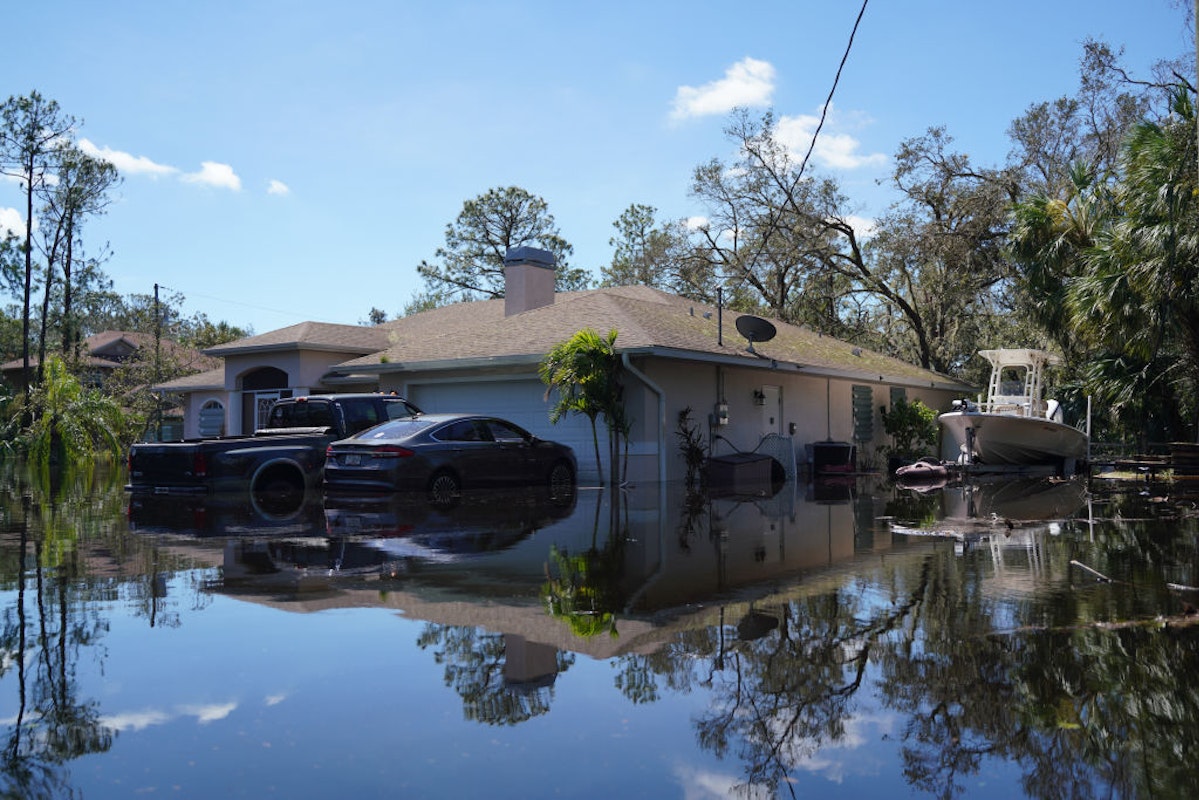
pixel 309 336
pixel 212 379
pixel 116 344
pixel 644 318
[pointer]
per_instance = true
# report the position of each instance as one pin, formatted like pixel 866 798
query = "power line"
pixel 837 79
pixel 252 306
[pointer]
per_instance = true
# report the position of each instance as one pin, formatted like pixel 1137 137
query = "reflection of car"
pixel 410 526
pixel 444 453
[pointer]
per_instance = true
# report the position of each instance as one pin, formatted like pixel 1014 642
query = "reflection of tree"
pixel 585 588
pixel 1083 708
pixel 1053 683
pixel 63 523
pixel 787 694
pixel 52 725
pixel 474 667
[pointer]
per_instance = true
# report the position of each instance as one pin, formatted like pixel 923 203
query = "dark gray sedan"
pixel 442 454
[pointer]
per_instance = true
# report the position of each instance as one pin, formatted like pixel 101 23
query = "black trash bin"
pixel 834 458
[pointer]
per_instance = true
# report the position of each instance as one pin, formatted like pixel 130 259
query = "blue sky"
pixel 287 160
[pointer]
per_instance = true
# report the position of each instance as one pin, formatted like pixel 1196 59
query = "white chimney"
pixel 528 279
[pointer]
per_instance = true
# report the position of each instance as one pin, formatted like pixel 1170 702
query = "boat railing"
pixel 1013 405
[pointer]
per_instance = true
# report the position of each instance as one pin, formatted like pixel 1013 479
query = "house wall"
pixel 196 401
pixel 807 409
pixel 304 369
pixel 802 408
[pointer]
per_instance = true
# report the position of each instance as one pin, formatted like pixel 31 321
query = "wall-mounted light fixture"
pixel 759 397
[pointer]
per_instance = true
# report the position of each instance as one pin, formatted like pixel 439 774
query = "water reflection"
pixel 935 635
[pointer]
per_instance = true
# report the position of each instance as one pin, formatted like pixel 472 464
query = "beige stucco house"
pixel 787 394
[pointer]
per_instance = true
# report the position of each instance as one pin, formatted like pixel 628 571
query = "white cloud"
pixel 135 720
pixel 126 163
pixel 835 759
pixel 208 713
pixel 702 784
pixel 277 187
pixel 863 226
pixel 836 150
pixel 212 173
pixel 749 82
pixel 11 221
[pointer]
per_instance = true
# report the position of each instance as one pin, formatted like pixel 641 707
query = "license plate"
pixel 352 459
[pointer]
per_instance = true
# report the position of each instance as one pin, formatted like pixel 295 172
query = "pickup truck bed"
pixel 289 457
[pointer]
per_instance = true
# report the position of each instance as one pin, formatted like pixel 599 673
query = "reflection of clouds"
pixel 702 784
pixel 138 720
pixel 849 754
pixel 208 713
pixel 135 720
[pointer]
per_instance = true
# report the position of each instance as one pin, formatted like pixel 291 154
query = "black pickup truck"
pixel 288 455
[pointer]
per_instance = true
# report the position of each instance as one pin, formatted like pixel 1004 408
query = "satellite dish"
pixel 755 329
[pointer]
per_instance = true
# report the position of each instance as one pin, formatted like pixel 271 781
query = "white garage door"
pixel 522 402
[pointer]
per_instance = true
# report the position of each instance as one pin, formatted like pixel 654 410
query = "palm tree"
pixel 585 371
pixel 1139 292
pixel 1049 239
pixel 70 423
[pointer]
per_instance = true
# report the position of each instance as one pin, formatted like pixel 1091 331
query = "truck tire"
pixel 279 486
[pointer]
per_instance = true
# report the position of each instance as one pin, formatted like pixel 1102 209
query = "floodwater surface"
pixel 1018 638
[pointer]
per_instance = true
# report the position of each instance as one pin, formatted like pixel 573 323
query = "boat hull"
pixel 1005 439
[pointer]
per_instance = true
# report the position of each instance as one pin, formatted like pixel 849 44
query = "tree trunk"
pixel 41 343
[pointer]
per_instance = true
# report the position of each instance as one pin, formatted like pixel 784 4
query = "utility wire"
pixel 256 307
pixel 829 100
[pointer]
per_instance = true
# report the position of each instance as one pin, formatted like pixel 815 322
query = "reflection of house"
pixel 668 570
pixel 800 386
pixel 104 352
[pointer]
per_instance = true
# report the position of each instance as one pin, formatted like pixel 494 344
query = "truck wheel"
pixel 278 489
pixel 444 489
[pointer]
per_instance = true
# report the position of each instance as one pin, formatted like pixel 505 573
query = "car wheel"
pixel 444 488
pixel 561 481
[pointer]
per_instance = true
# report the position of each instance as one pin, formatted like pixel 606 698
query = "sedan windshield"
pixel 396 429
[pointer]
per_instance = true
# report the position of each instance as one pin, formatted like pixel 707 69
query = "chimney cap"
pixel 529 255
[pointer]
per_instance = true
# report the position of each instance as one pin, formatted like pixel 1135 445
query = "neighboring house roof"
pixel 646 320
pixel 213 379
pixel 309 336
pixel 107 349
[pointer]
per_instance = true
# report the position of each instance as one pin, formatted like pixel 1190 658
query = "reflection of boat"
pixel 1004 511
pixel 1014 425
pixel 1022 500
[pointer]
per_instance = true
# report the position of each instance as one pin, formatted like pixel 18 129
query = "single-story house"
pixel 783 395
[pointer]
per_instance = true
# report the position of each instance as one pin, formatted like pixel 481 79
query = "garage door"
pixel 521 401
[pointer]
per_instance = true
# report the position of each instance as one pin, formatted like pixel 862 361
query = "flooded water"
pixel 841 639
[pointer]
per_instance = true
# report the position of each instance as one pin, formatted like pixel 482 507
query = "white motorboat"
pixel 1014 425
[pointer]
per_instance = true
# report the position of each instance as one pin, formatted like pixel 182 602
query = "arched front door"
pixel 260 388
